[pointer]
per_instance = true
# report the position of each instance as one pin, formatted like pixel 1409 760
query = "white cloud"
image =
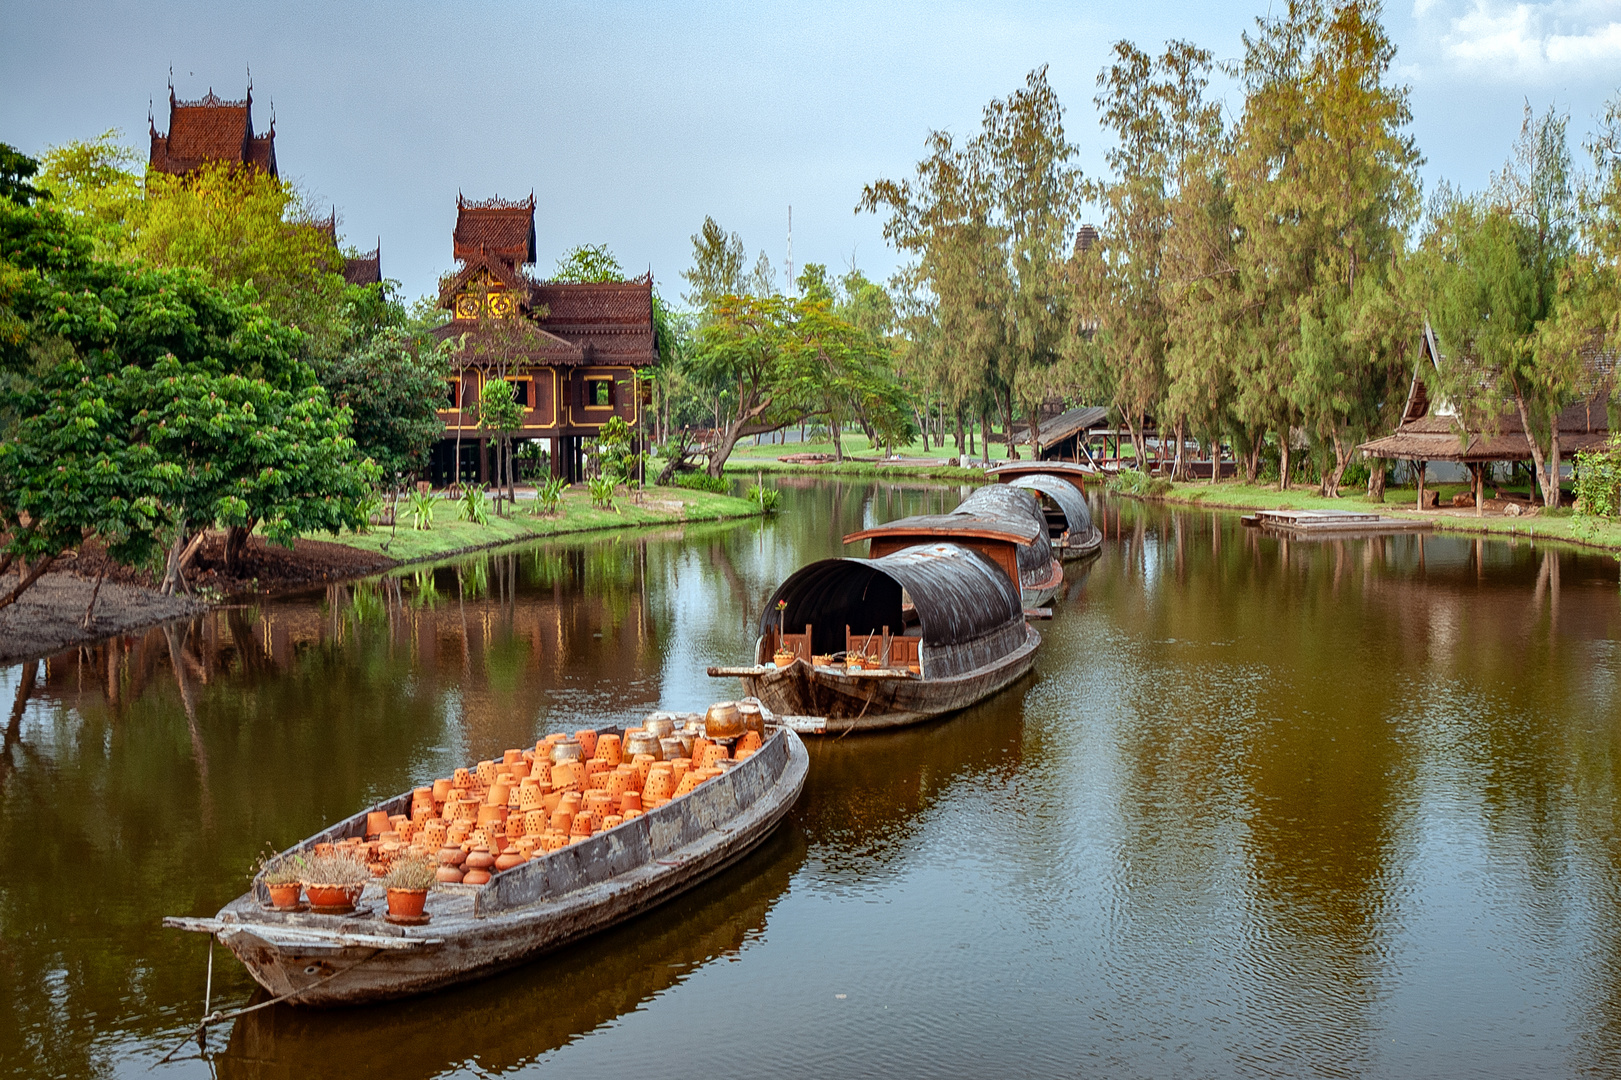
pixel 1529 41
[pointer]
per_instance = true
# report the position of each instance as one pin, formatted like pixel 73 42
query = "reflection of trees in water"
pixel 513 1019
pixel 1291 704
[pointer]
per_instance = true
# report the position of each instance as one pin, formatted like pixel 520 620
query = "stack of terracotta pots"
pixel 497 815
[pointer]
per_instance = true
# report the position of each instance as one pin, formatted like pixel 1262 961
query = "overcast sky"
pixel 632 121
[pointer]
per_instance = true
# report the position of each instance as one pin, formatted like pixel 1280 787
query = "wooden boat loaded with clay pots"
pixel 931 628
pixel 1061 488
pixel 551 899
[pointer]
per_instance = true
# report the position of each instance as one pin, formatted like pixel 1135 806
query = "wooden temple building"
pixel 571 351
pixel 1434 431
pixel 215 130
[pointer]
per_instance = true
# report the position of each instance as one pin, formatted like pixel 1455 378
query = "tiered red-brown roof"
pixel 581 323
pixel 212 129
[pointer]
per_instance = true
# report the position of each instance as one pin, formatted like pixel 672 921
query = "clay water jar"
pixel 452 855
pixel 610 749
pixel 643 744
pixel 442 789
pixel 670 748
pixel 509 858
pixel 630 801
pixel 587 738
pixel 723 721
pixel 753 716
pixel 449 874
pixel 476 877
pixel 376 823
pixel 688 738
pixel 285 897
pixel 407 903
pixel 479 859
pixel 660 725
pixel 486 773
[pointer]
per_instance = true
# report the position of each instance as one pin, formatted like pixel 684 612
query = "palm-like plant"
pixel 419 505
pixel 476 505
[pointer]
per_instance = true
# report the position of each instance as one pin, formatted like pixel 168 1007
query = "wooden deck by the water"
pixel 1333 523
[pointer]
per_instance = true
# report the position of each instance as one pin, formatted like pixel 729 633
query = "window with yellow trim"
pixel 599 393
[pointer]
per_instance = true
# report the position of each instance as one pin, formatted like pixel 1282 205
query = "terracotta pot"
pixel 529 796
pixel 452 855
pixel 723 721
pixel 490 814
pixel 535 823
pixel 588 740
pixel 377 823
pixel 451 874
pixel 597 767
pixel 612 821
pixel 783 658
pixel 285 897
pixel 336 898
pixel 630 801
pixel 508 757
pixel 466 810
pixel 434 833
pixel 698 749
pixel 572 800
pixel 407 903
pixel 643 744
pixel 617 783
pixel 498 794
pixel 479 859
pixel 642 763
pixel 822 660
pixel 581 827
pixel 562 820
pixel 442 790
pixel 598 802
pixel 519 770
pixel 485 773
pixel 688 783
pixel 509 858
pixel 712 754
pixel 609 749
pixel 660 784
pixel 568 776
pixel 678 769
pixel 565 750
pixel 476 877
pixel 550 801
pixel 632 815
pixel 462 780
pixel 515 826
pixel 750 742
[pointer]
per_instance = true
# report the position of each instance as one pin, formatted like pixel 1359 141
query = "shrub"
pixel 412 872
pixel 419 505
pixel 1136 483
pixel 549 494
pixel 476 505
pixel 766 498
pixel 602 492
pixel 338 868
pixel 702 482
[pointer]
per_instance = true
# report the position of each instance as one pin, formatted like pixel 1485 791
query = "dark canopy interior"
pixel 1077 515
pixel 958 594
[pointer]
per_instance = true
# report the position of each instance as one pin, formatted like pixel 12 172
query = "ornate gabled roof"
pixel 366 268
pixel 498 269
pixel 611 321
pixel 500 227
pixel 211 129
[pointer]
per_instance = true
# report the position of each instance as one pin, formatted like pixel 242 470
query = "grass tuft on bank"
pixel 450 533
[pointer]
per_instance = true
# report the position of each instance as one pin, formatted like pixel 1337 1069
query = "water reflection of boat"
pixel 513 1019
pixel 538 906
pixel 943 622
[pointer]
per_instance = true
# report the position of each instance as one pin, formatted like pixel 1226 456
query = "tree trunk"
pixel 833 429
pixel 1553 496
pixel 1176 459
pixel 1537 457
pixel 1034 412
pixel 1283 459
pixel 236 542
pixel 26 580
pixel 922 427
pixel 171 569
pixel 961 452
pixel 1007 426
pixel 1342 461
pixel 985 435
pixel 1376 481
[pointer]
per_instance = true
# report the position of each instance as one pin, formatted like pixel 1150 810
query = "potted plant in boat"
pixel 334 881
pixel 408 882
pixel 284 878
pixel 783 656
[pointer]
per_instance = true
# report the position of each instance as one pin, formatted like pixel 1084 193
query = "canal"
pixel 1265 808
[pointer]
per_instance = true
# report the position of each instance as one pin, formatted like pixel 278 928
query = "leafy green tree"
pixel 101 183
pixel 16 170
pixel 717 266
pixel 392 384
pixel 588 263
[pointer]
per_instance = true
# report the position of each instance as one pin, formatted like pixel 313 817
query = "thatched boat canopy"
pixel 959 596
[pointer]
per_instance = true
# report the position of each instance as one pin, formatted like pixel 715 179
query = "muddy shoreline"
pixel 48 617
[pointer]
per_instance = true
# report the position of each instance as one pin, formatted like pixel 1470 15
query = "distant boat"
pixel 1001 522
pixel 1062 485
pixel 943 623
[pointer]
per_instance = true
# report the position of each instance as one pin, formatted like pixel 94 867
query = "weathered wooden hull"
pixel 525 912
pixel 1074 549
pixel 868 701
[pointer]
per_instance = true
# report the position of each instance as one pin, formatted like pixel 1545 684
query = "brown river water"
pixel 1265 808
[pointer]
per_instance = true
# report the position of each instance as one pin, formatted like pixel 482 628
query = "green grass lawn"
pixel 1561 524
pixel 451 533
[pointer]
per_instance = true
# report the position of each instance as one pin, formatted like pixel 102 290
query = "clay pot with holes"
pixel 587 738
pixel 609 749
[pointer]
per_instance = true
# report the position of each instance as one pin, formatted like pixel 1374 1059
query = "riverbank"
pixel 1540 523
pixel 861 458
pixel 451 534
pixel 48 616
